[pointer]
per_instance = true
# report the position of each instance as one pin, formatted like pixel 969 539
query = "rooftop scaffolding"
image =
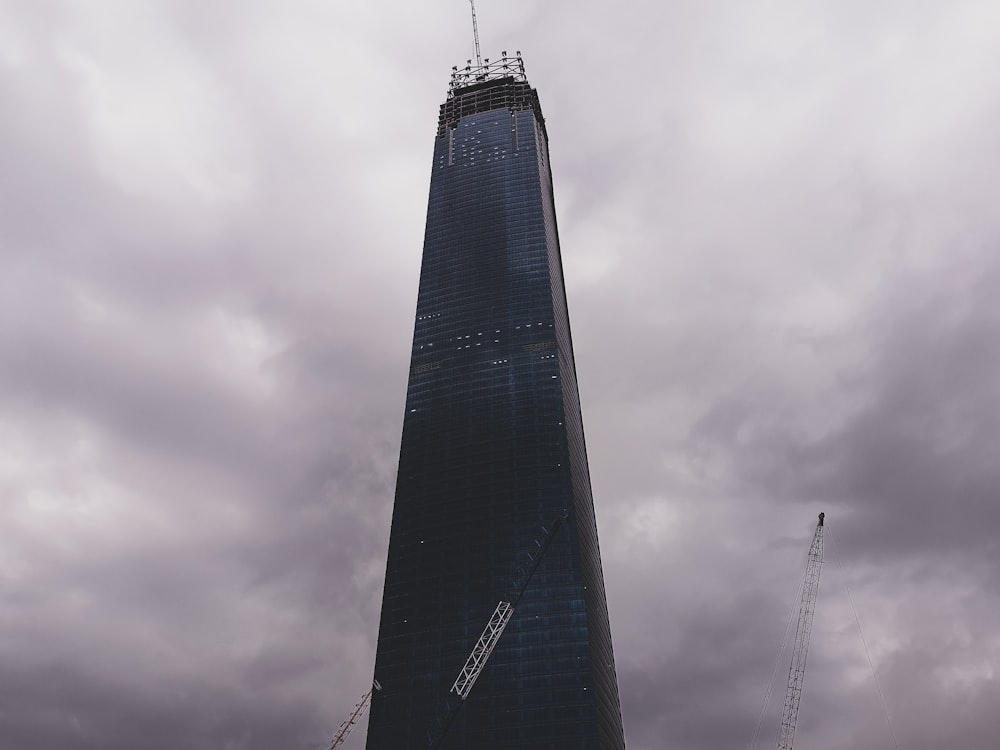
pixel 505 67
pixel 493 85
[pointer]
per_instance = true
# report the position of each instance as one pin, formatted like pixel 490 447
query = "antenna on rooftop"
pixel 475 33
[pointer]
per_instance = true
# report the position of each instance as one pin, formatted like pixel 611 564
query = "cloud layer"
pixel 779 235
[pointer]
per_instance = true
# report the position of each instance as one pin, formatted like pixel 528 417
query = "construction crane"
pixel 800 648
pixel 487 642
pixel 359 710
pixel 475 34
pixel 476 662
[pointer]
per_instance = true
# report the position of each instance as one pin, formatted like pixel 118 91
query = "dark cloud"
pixel 778 231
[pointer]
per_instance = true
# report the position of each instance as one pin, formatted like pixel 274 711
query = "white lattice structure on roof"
pixel 473 73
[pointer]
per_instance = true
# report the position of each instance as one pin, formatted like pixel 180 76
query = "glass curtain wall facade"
pixel 493 450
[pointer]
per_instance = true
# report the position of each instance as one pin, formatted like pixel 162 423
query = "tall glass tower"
pixel 492 451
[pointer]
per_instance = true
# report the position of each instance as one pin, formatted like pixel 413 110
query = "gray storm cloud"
pixel 779 235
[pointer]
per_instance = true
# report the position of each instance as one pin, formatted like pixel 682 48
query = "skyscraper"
pixel 493 450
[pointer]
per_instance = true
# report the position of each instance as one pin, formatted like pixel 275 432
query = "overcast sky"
pixel 780 232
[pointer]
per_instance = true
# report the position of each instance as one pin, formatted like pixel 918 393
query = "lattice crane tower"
pixel 800 649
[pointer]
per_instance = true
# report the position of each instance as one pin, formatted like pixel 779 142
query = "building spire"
pixel 475 33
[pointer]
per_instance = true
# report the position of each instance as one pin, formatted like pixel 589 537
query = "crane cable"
pixel 864 642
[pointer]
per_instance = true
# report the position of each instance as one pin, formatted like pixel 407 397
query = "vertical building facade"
pixel 493 450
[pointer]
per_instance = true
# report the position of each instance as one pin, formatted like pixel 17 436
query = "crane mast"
pixel 352 721
pixel 475 34
pixel 800 649
pixel 476 662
